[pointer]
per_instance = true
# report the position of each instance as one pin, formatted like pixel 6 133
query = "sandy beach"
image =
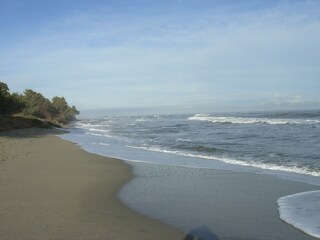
pixel 52 189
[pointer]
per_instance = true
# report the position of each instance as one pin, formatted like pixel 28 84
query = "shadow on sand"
pixel 204 233
pixel 32 132
pixel 201 233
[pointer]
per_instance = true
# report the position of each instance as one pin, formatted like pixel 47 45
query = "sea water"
pixel 285 144
pixel 302 211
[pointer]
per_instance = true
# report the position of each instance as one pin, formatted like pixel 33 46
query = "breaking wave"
pixel 247 120
pixel 259 165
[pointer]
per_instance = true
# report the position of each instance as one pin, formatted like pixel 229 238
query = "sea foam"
pixel 247 120
pixel 302 211
pixel 258 165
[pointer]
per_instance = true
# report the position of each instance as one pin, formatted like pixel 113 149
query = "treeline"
pixel 33 104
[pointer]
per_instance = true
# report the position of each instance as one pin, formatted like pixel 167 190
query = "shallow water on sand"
pixel 218 204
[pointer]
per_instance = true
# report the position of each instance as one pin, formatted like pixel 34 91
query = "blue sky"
pixel 186 55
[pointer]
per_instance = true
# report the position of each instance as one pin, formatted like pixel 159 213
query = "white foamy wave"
pixel 88 125
pixel 94 129
pixel 302 211
pixel 202 115
pixel 98 130
pixel 242 120
pixel 99 134
pixel 265 166
pixel 142 120
pixel 104 144
pixel 154 149
pixel 183 140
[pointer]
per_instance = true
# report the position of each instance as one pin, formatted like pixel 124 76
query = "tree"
pixel 31 103
pixel 37 105
pixel 60 104
pixel 4 97
pixel 66 113
pixel 17 103
pixel 9 104
pixel 4 89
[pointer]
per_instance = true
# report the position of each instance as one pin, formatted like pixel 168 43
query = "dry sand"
pixel 52 189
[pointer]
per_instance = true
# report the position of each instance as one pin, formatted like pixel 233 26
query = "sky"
pixel 183 55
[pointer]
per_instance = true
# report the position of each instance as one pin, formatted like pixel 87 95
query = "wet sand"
pixel 214 204
pixel 52 189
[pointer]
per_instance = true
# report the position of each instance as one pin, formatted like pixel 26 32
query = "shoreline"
pixel 162 191
pixel 93 206
pixel 53 189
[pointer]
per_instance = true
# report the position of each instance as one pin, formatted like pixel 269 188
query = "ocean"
pixel 284 144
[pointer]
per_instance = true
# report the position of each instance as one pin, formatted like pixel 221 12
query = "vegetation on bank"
pixel 32 109
pixel 16 122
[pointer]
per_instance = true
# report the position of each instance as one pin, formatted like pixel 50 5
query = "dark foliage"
pixel 9 103
pixel 33 104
